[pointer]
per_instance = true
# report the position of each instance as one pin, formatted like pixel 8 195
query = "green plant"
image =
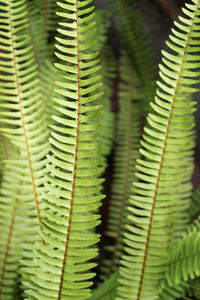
pixel 58 133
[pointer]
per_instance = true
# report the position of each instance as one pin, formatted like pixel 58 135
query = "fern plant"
pixel 72 115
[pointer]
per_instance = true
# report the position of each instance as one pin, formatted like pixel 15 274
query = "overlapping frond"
pixel 37 33
pixel 63 265
pixel 50 19
pixel 164 172
pixel 194 288
pixel 5 148
pixel 102 27
pixel 183 264
pixel 49 76
pixel 20 110
pixel 176 292
pixel 10 247
pixel 51 189
pixel 109 73
pixel 136 43
pixel 194 209
pixel 127 137
pixel 107 290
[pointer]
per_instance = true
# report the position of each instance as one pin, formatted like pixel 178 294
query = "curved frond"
pixel 175 292
pixel 164 173
pixel 37 33
pixel 49 76
pixel 136 43
pixel 10 241
pixel 184 260
pixel 106 290
pixel 102 24
pixel 63 265
pixel 20 110
pixel 194 209
pixel 4 154
pixel 127 137
pixel 109 73
pixel 50 19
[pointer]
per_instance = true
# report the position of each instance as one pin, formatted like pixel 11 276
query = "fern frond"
pixel 127 137
pixel 63 265
pixel 50 19
pixel 20 103
pixel 194 288
pixel 102 24
pixel 194 209
pixel 20 112
pixel 184 260
pixel 136 43
pixel 181 257
pixel 164 173
pixel 49 76
pixel 109 73
pixel 176 292
pixel 10 247
pixel 37 33
pixel 106 290
pixel 4 153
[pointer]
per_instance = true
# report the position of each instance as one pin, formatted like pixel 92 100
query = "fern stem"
pixel 75 162
pixel 162 158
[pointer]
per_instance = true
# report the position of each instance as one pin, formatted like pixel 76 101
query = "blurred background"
pixel 158 16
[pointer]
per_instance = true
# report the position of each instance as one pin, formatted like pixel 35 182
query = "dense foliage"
pixel 78 119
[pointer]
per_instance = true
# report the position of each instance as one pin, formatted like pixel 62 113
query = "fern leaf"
pixel 109 72
pixel 135 42
pixel 4 153
pixel 127 151
pixel 37 33
pixel 20 115
pixel 183 262
pixel 49 76
pixel 106 290
pixel 194 290
pixel 63 265
pixel 194 205
pixel 10 247
pixel 166 159
pixel 50 21
pixel 102 24
pixel 175 292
